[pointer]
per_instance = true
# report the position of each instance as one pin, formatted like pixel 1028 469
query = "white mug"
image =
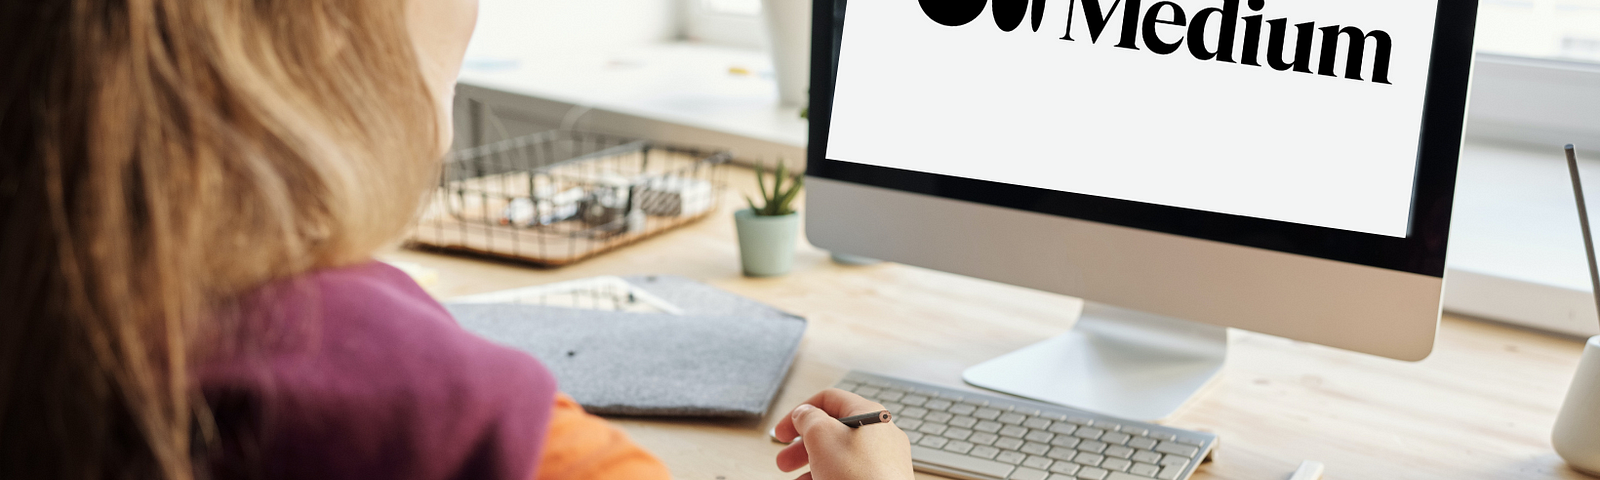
pixel 1577 432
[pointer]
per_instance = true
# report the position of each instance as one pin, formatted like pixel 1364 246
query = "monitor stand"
pixel 1114 361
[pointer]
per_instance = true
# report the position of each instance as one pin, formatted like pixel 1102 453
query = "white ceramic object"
pixel 766 244
pixel 789 28
pixel 1577 432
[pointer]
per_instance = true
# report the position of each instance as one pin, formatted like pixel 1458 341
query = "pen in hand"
pixel 855 421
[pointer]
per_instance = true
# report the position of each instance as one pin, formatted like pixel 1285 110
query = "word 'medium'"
pixel 1008 14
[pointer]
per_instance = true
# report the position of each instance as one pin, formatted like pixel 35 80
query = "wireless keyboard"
pixel 980 436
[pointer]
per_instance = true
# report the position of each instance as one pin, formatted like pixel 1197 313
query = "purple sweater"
pixel 356 373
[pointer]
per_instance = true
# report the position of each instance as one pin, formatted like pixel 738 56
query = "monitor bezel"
pixel 1422 251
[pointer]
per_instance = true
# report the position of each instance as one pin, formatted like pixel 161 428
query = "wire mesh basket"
pixel 562 196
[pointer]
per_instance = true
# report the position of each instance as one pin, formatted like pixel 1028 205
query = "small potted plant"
pixel 768 231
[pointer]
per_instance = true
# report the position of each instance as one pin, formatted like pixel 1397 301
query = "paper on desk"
pixel 594 293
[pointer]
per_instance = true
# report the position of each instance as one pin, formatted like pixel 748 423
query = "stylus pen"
pixel 854 421
pixel 1583 220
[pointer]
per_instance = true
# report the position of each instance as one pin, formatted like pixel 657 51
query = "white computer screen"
pixel 1158 109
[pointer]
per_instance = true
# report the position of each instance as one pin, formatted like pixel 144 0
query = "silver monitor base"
pixel 1114 361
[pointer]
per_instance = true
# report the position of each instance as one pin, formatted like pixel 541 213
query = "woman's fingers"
pixel 835 402
pixel 793 457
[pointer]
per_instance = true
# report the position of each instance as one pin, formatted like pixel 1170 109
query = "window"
pixel 1546 29
pixel 735 23
pixel 732 7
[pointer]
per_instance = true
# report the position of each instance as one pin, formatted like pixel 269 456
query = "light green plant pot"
pixel 766 244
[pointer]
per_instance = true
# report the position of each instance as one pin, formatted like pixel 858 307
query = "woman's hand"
pixel 836 452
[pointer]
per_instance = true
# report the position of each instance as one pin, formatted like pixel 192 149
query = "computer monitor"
pixel 1184 166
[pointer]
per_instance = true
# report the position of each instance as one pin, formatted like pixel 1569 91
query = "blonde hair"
pixel 161 157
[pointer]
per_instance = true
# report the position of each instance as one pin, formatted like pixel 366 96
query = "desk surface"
pixel 1480 407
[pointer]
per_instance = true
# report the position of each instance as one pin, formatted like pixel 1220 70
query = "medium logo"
pixel 1141 24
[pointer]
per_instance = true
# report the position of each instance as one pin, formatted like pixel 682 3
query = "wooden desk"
pixel 1480 407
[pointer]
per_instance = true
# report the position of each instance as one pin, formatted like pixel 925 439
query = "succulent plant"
pixel 778 200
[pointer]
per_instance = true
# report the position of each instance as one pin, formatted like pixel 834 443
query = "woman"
pixel 190 194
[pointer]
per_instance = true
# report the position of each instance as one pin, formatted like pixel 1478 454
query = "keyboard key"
pixel 1061 453
pixel 991 426
pixel 963 409
pixel 1143 443
pixel 958 446
pixel 1008 443
pixel 963 421
pixel 1191 441
pixel 1107 426
pixel 893 407
pixel 914 400
pixel 1010 457
pixel 1080 421
pixel 1066 441
pixel 913 436
pixel 933 442
pixel 1028 474
pixel 891 396
pixel 1092 446
pixel 957 433
pixel 960 462
pixel 1089 433
pixel 987 413
pixel 1135 431
pixel 953 397
pixel 1145 469
pixel 1055 417
pixel 1116 438
pixel 1033 448
pixel 938 404
pixel 1178 449
pixel 1124 476
pixel 940 417
pixel 988 452
pixel 1165 437
pixel 908 423
pixel 1039 436
pixel 981 438
pixel 1013 418
pixel 1035 461
pixel 1037 423
pixel 1170 473
pixel 1113 464
pixel 1057 476
pixel 1119 451
pixel 1086 458
pixel 1146 456
pixel 1013 431
pixel 1092 473
pixel 919 412
pixel 1064 428
pixel 933 428
pixel 878 383
pixel 1174 461
pixel 1029 411
pixel 1065 468
pixel 869 392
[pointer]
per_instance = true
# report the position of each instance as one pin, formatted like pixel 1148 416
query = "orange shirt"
pixel 583 446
